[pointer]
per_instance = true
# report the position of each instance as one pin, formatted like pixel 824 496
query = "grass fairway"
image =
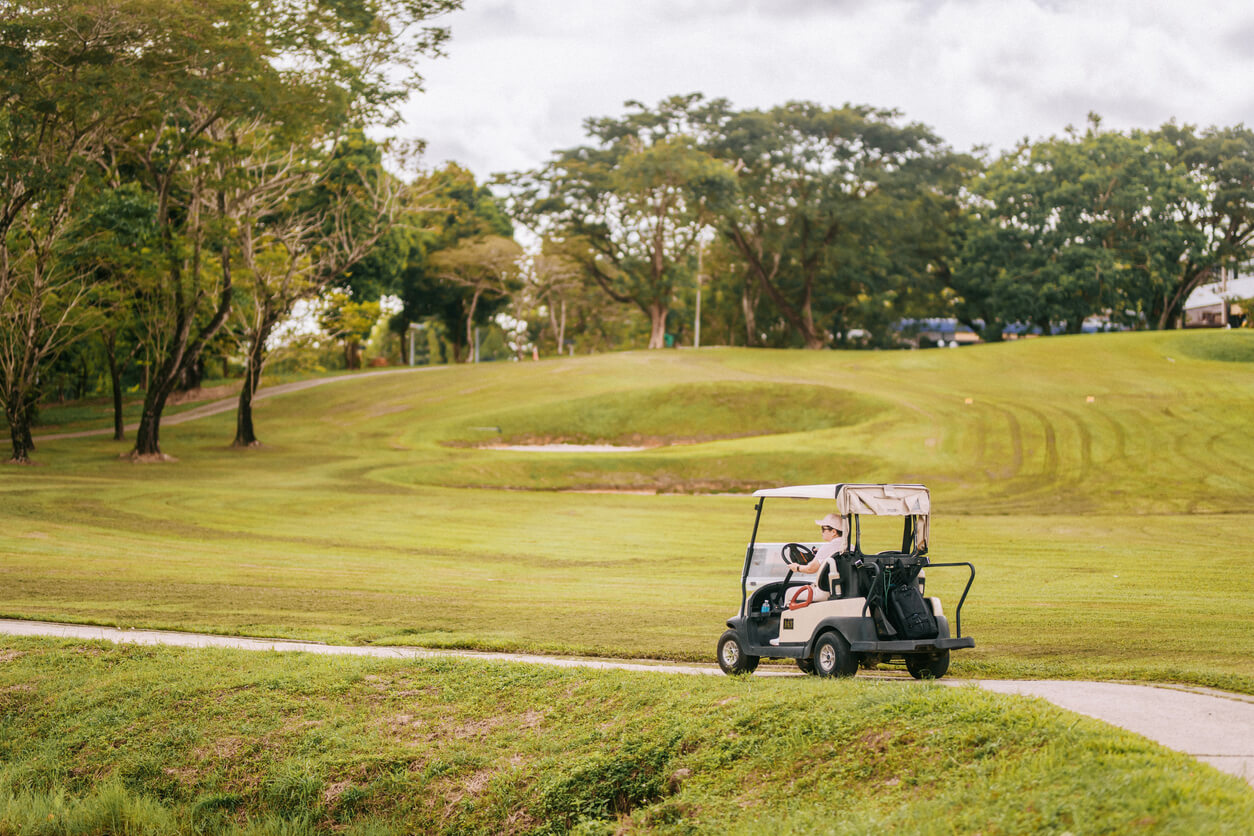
pixel 1100 484
pixel 103 739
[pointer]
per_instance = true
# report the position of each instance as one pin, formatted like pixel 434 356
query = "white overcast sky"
pixel 522 75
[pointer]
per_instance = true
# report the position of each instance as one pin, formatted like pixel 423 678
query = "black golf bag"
pixel 895 602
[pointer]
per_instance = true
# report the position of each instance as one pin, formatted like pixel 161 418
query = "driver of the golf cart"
pixel 831 528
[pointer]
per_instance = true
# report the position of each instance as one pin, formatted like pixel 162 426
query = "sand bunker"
pixel 565 448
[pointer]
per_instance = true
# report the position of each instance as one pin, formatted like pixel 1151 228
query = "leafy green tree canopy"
pixel 630 208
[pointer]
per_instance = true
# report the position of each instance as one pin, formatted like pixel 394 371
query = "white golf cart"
pixel 876 613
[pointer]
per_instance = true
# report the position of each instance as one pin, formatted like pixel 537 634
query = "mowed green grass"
pixel 102 739
pixel 1101 484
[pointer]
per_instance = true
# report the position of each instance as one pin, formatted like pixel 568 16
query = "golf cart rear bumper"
pixel 918 646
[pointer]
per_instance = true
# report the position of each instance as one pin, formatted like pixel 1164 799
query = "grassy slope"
pixel 1107 534
pixel 1111 539
pixel 97 739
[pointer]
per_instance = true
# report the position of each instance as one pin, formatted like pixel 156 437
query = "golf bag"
pixel 909 613
pixel 896 605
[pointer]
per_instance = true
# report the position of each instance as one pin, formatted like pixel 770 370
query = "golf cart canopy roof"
pixel 875 500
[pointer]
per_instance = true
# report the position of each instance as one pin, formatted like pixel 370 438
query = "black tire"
pixel 832 656
pixel 928 665
pixel 806 666
pixel 732 657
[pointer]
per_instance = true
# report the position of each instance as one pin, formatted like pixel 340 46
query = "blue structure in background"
pixel 935 331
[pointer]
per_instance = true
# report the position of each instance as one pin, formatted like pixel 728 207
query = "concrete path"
pixel 227 404
pixel 1215 727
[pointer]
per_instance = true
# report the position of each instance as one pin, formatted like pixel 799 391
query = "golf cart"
pixel 876 613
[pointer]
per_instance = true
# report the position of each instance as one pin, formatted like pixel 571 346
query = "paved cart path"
pixel 1213 726
pixel 226 404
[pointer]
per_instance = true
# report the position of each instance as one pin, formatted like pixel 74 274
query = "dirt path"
pixel 227 404
pixel 1215 727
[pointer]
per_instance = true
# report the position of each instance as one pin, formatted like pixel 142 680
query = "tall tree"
pixel 306 72
pixel 838 204
pixel 630 208
pixel 551 285
pixel 350 320
pixel 113 238
pixel 454 211
pixel 1099 222
pixel 487 268
pixel 63 70
pixel 1220 226
pixel 301 224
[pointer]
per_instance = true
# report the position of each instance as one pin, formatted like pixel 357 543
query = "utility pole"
pixel 696 342
pixel 414 327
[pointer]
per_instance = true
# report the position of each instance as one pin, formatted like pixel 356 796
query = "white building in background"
pixel 1217 305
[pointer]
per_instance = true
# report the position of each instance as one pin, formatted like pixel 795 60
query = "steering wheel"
pixel 797 553
pixel 801 555
pixel 808 590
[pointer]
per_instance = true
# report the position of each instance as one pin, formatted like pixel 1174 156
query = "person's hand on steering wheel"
pixel 796 555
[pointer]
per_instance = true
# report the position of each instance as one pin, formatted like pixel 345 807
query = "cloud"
pixel 522 76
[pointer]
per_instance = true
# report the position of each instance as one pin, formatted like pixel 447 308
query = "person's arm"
pixel 830 550
pixel 810 568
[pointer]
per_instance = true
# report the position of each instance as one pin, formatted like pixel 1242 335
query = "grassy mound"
pixel 99 739
pixel 1106 532
pixel 693 412
pixel 1235 346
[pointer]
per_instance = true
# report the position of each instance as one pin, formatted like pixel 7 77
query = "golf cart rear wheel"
pixel 928 665
pixel 832 656
pixel 732 657
pixel 806 666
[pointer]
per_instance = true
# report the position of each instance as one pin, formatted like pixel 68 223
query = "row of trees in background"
pixel 816 224
pixel 174 172
pixel 176 179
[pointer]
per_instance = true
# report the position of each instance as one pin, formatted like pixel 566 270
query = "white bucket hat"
pixel 832 521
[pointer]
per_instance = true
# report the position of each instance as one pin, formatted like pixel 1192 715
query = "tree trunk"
pixel 1169 319
pixel 21 454
pixel 147 436
pixel 657 325
pixel 557 339
pixel 561 331
pixel 190 377
pixel 991 332
pixel 245 435
pixel 182 354
pixel 17 415
pixel 799 316
pixel 1172 315
pixel 84 372
pixel 814 340
pixel 749 306
pixel 559 327
pixel 470 328
pixel 159 388
pixel 115 382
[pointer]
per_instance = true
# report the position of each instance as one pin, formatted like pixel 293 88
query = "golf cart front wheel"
pixel 928 665
pixel 732 657
pixel 832 656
